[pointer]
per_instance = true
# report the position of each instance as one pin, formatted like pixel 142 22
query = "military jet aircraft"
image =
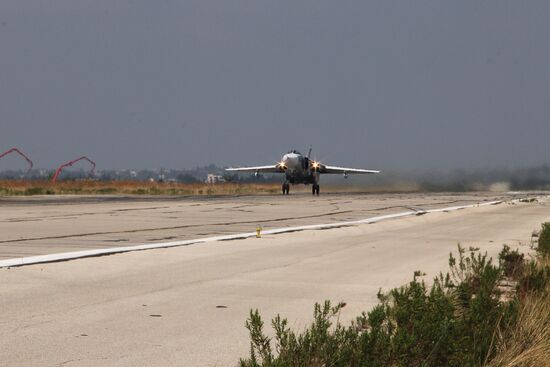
pixel 301 170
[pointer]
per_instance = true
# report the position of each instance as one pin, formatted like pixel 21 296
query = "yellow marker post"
pixel 258 232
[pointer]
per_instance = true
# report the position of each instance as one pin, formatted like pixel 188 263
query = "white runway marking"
pixel 116 250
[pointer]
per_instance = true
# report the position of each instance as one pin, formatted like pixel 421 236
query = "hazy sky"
pixel 374 84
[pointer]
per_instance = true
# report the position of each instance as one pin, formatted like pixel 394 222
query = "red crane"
pixel 15 150
pixel 70 163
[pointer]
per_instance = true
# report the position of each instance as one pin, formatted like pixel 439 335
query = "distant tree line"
pixel 194 175
pixel 532 178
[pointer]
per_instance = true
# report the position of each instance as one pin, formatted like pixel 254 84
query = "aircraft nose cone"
pixel 292 164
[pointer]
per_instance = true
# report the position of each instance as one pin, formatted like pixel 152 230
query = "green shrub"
pixel 535 279
pixel 511 262
pixel 450 323
pixel 34 191
pixel 107 190
pixel 9 192
pixel 528 200
pixel 544 240
pixel 155 191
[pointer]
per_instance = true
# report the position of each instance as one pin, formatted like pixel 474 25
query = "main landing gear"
pixel 315 189
pixel 286 188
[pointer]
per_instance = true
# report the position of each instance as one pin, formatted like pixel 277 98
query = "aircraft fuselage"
pixel 298 169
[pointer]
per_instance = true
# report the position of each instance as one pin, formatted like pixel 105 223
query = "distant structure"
pixel 214 179
pixel 70 163
pixel 15 150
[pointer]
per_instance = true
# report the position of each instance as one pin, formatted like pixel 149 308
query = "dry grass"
pixel 527 343
pixel 91 187
pixel 20 187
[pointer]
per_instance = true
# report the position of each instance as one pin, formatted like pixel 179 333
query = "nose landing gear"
pixel 315 189
pixel 286 188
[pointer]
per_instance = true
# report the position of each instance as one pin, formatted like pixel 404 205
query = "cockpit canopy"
pixel 294 151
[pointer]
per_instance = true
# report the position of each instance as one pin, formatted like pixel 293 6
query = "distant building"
pixel 213 179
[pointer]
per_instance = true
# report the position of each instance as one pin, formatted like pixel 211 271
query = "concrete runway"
pixel 187 306
pixel 45 225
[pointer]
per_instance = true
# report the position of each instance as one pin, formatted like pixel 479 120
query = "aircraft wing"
pixel 344 170
pixel 260 169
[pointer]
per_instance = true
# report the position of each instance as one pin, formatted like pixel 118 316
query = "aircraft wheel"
pixel 315 189
pixel 286 188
